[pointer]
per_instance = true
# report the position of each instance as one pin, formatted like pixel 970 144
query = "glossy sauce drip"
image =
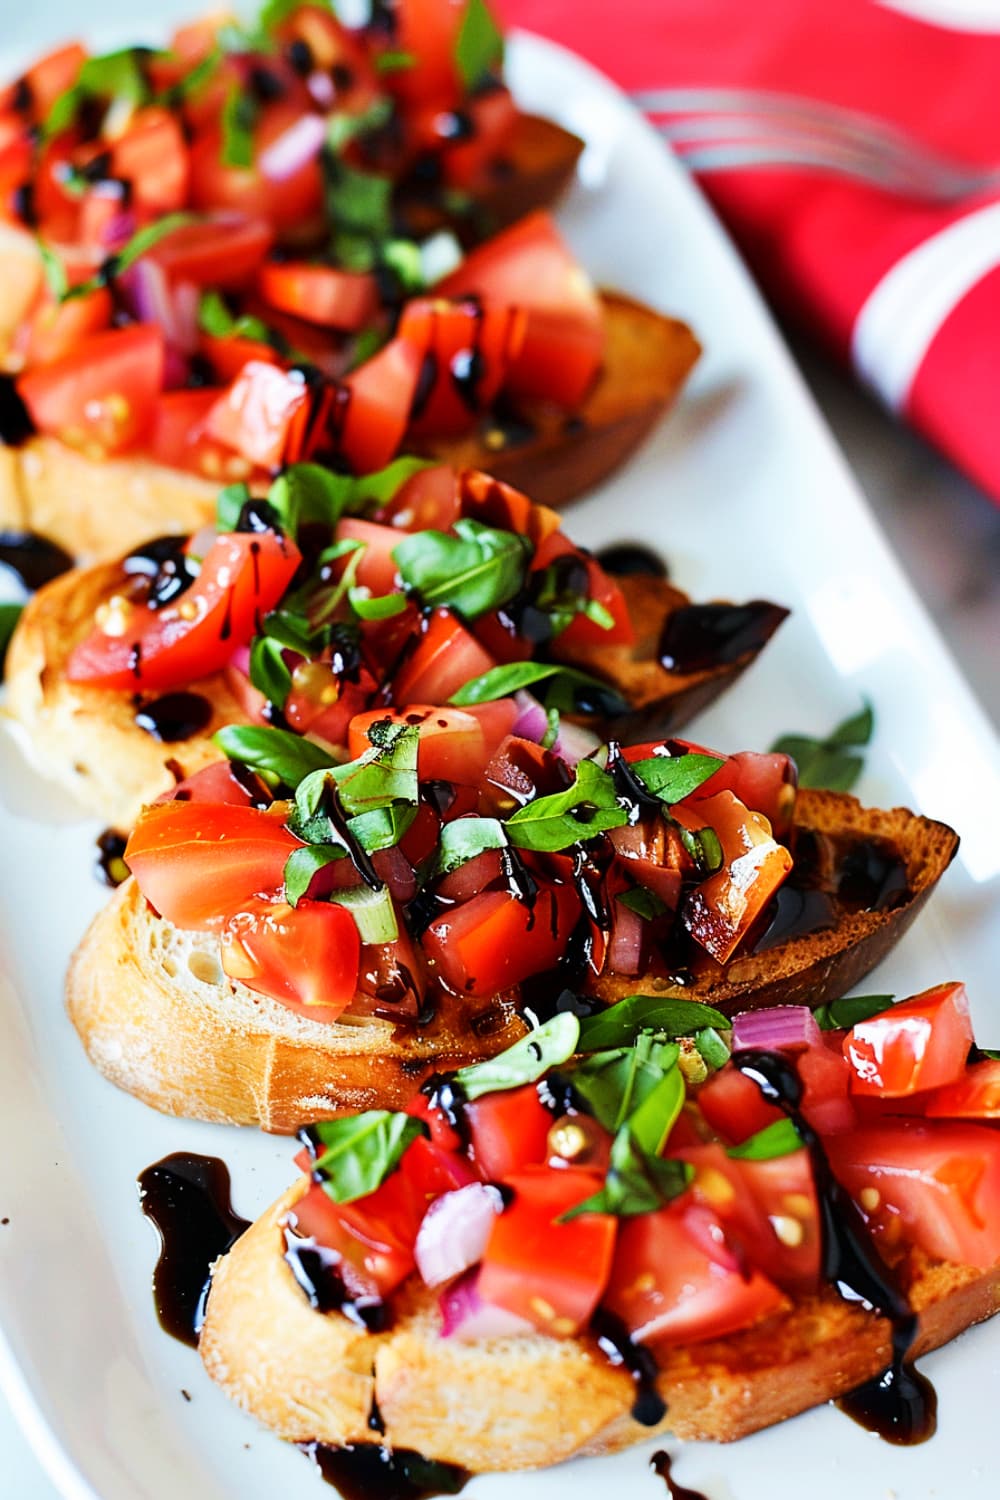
pixel 863 874
pixel 697 637
pixel 628 558
pixel 165 563
pixel 111 867
pixel 900 1403
pixel 619 1348
pixel 468 367
pixel 369 1471
pixel 33 558
pixel 317 1271
pixel 794 913
pixel 447 1095
pixel 660 1464
pixel 426 381
pixel 16 425
pixel 174 717
pixel 187 1198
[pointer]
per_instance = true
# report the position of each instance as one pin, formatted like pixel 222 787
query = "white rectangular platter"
pixel 743 491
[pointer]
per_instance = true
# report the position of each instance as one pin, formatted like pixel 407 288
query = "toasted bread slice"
pixel 87 738
pixel 158 1017
pixel 524 1402
pixel 98 510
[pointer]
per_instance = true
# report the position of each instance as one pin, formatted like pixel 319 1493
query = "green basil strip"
pixel 664 1015
pixel 394 62
pixel 386 773
pixel 215 319
pixel 841 1015
pixel 276 753
pixel 674 777
pixel 616 1083
pixel 228 504
pixel 778 1139
pixel 302 864
pixel 114 75
pixel 479 44
pixel 637 1182
pixel 382 608
pixel 373 912
pixel 361 1150
pixel 589 807
pixel 308 493
pixel 827 763
pixel 464 839
pixel 712 1047
pixel 383 827
pixel 645 904
pixel 656 1116
pixel 475 571
pixel 547 1047
pixel 240 113
pixel 269 673
pixel 9 616
pixel 503 681
pixel 55 272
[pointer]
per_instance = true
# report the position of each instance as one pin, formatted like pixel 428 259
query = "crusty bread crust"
pixel 159 1019
pixel 99 510
pixel 529 1401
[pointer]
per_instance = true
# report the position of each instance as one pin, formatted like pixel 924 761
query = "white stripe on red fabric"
pixel 901 315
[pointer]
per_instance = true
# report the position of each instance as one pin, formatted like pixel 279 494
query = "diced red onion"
pixel 455 1230
pixel 708 1234
pixel 574 743
pixel 532 721
pixel 118 231
pixel 173 307
pixel 625 947
pixel 321 89
pixel 293 148
pixel 464 1314
pixel 776 1027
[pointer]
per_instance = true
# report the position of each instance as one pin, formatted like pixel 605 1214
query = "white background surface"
pixel 946 533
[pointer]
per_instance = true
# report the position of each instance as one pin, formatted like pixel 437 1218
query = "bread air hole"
pixel 206 968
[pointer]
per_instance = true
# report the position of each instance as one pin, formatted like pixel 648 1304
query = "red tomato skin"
pixel 197 862
pixel 222 251
pixel 152 157
pixel 260 413
pixel 494 503
pixel 468 349
pixel 55 329
pixel 101 396
pixel 292 205
pixel 509 1131
pixel 376 407
pixel 600 588
pixel 373 1258
pixel 427 501
pixel 734 1106
pixel 214 783
pixel 442 1134
pixel 721 910
pixel 306 957
pixel 447 657
pixel 975 1096
pixel 553 1274
pixel 454 743
pixel 919 1044
pixel 242 577
pixel 494 941
pixel 177 436
pixel 376 570
pixel 334 299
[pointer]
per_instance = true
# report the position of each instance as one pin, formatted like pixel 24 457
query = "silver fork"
pixel 714 129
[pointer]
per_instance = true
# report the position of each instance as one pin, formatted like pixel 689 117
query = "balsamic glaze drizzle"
pixel 16 425
pixel 628 558
pixel 370 1471
pixel 660 1464
pixel 174 717
pixel 111 867
pixel 33 558
pixel 697 637
pixel 619 1348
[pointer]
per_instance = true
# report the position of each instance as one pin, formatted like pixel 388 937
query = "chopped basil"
pixel 711 1046
pixel 215 319
pixel 382 827
pixel 663 1015
pixel 269 671
pixel 240 113
pixel 9 616
pixel 589 807
pixel 778 1139
pixel 55 272
pixel 547 1047
pixel 381 608
pixel 229 502
pixel 652 1121
pixel 636 1183
pixel 841 1015
pixel 302 864
pixel 274 12
pixel 617 1083
pixel 503 681
pixel 114 75
pixel 472 572
pixel 276 754
pixel 359 206
pixel 478 46
pixel 645 904
pixel 405 261
pixel 373 912
pixel 140 243
pixel 359 1151
pixel 704 847
pixel 308 493
pixel 343 128
pixel 465 838
pixel 293 631
pixel 827 763
pixel 394 62
pixel 384 775
pixel 674 777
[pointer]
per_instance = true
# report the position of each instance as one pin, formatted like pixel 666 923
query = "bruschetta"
pixel 120 738
pixel 544 1256
pixel 297 939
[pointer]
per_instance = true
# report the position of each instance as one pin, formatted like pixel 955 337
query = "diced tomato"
pixel 304 956
pixel 101 397
pixel 334 299
pixel 442 1134
pixel 197 862
pixel 509 1131
pixel 152 156
pixel 920 1044
pixel 734 1105
pixel 430 1169
pixel 376 569
pixel 676 1279
pixel 478 874
pixel 46 79
pixel 975 1096
pixel 56 328
pixel 335 51
pixel 495 941
pixel 467 349
pixel 826 1083
pixel 178 439
pixel 550 1273
pixel 601 589
pixel 764 782
pixel 427 32
pixel 454 743
pixel 447 657
pixel 519 770
pixel 492 115
pixel 221 251
pixel 427 501
pixel 323 704
pixel 529 266
pixel 133 646
pixel 291 201
pixel 495 503
pixel 215 783
pixel 935 1186
pixel 228 356
pixel 365 1234
pixel 373 417
pixel 265 415
pixel 720 910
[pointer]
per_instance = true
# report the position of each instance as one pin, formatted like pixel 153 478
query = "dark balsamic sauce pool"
pixel 698 637
pixel 369 1471
pixel 627 559
pixel 174 716
pixel 660 1464
pixel 33 558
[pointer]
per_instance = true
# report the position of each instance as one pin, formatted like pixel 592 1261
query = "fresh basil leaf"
pixel 842 1014
pixel 359 1151
pixel 465 838
pixel 473 572
pixel 826 763
pixel 343 128
pixel 9 616
pixel 478 46
pixel 503 681
pixel 269 672
pixel 616 1082
pixel 645 904
pixel 856 729
pixel 589 807
pixel 308 493
pixel 229 502
pixel 652 1120
pixel 777 1139
pixel 240 113
pixel 384 607
pixel 664 1015
pixel 373 912
pixel 380 487
pixel 192 83
pixel 302 864
pixel 704 847
pixel 215 319
pixel 383 827
pixel 383 775
pixel 404 260
pixel 636 1183
pixel 984 1052
pixel 113 75
pixel 359 205
pixel 55 272
pixel 277 753
pixel 291 631
pixel 711 1046
pixel 394 62
pixel 548 1046
pixel 674 777
pixel 274 12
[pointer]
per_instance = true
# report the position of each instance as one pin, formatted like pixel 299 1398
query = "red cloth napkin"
pixel 904 288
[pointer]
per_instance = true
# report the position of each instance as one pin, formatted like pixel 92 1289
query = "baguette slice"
pixel 98 510
pixel 158 1018
pixel 86 738
pixel 529 1401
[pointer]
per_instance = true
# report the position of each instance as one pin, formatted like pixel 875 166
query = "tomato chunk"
pixel 320 294
pixel 304 956
pixel 550 1273
pixel 721 909
pixel 467 350
pixel 263 415
pixel 447 657
pixel 196 862
pixel 101 396
pixel 509 1131
pixel 371 421
pixel 975 1096
pixel 495 941
pixel 454 744
pixel 920 1044
pixel 373 1257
